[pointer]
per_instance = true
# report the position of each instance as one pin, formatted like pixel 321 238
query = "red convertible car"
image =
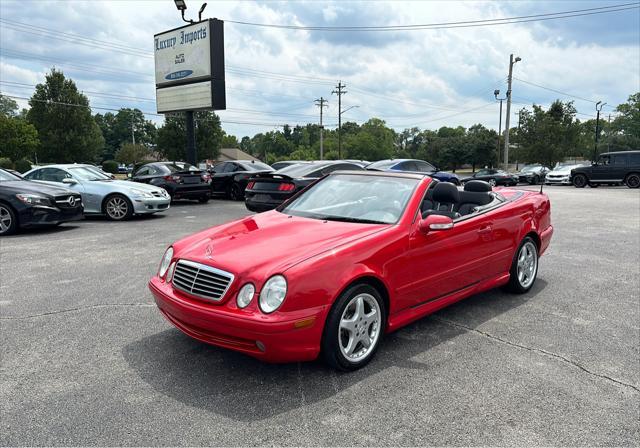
pixel 356 255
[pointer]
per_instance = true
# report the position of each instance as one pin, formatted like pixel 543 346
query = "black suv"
pixel 611 168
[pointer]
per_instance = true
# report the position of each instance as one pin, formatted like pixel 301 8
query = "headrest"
pixel 446 193
pixel 478 186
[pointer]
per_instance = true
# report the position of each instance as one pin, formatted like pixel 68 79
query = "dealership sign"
pixel 189 65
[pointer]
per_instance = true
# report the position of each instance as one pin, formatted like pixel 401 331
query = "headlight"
pixel 166 261
pixel 34 199
pixel 144 194
pixel 273 293
pixel 245 295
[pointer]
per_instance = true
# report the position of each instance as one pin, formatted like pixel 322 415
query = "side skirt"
pixel 412 314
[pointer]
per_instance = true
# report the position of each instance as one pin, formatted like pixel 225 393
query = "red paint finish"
pixel 419 272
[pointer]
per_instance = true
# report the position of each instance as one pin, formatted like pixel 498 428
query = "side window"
pixel 408 166
pixel 143 171
pixel 36 175
pixel 219 168
pixel 482 173
pixel 230 168
pixel 619 160
pixel 425 167
pixel 317 173
pixel 604 160
pixel 53 175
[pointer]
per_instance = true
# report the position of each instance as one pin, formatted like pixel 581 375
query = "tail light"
pixel 286 187
pixel 250 185
pixel 172 178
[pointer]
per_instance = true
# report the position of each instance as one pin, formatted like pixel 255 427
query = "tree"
pixel 172 137
pixel 130 153
pixel 122 127
pixel 68 132
pixel 230 141
pixel 18 139
pixel 482 146
pixel 8 107
pixel 625 128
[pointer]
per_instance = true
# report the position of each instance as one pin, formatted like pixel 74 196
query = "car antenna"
pixel 541 185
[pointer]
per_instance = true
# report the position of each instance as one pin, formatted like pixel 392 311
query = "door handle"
pixel 485 229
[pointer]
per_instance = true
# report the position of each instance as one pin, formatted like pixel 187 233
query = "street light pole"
pixel 512 62
pixel 599 106
pixel 495 94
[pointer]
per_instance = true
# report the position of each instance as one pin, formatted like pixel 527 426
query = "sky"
pixel 422 78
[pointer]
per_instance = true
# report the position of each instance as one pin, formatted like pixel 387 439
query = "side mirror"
pixel 435 222
pixel 70 181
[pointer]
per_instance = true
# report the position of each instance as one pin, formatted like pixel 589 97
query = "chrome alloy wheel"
pixel 117 208
pixel 359 329
pixel 527 264
pixel 492 182
pixel 5 219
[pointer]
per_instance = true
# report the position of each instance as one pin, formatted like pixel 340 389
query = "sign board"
pixel 191 57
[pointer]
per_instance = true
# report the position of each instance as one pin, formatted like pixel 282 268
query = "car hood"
pixel 268 243
pixel 27 186
pixel 127 184
pixel 562 172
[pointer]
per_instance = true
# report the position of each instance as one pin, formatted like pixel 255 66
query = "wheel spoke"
pixel 359 313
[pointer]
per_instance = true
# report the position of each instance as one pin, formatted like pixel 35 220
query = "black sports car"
pixel 266 191
pixel 493 177
pixel 180 179
pixel 230 178
pixel 533 174
pixel 285 163
pixel 24 203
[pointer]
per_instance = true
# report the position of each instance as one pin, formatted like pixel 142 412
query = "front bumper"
pixel 47 216
pixel 150 205
pixel 271 338
pixel 560 180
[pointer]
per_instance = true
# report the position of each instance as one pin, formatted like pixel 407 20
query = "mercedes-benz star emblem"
pixel 207 252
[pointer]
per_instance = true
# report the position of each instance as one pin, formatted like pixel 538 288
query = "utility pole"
pixel 608 134
pixel 321 105
pixel 512 61
pixel 599 106
pixel 133 135
pixel 495 94
pixel 191 138
pixel 339 92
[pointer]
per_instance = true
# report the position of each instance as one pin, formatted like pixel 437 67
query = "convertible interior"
pixel 446 199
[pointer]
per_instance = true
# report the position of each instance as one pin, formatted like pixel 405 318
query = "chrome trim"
pixel 190 275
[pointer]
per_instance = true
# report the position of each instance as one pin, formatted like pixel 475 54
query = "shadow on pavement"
pixel 242 388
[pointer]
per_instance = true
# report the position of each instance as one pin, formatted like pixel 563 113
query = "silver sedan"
pixel 117 199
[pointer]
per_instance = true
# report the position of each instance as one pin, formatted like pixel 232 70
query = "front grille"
pixel 63 201
pixel 201 280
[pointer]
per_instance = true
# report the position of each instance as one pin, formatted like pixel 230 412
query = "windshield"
pixel 84 173
pixel 566 166
pixel 382 164
pixel 6 176
pixel 256 166
pixel 355 198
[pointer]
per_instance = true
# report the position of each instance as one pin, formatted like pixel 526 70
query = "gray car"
pixel 117 199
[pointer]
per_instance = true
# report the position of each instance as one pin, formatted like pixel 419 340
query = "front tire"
pixel 8 221
pixel 632 180
pixel 492 183
pixel 354 328
pixel 580 181
pixel 118 208
pixel 536 180
pixel 524 267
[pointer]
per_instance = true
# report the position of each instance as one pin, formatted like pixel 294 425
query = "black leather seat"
pixel 445 199
pixel 476 193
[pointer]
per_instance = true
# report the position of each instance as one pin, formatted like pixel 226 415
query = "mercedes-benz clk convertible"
pixel 354 256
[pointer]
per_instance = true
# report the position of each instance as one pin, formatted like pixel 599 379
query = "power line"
pixel 556 91
pixel 458 24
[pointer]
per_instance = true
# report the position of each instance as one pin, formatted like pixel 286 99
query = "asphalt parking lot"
pixel 86 358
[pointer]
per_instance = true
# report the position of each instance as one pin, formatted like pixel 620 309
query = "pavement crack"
pixel 536 350
pixel 80 308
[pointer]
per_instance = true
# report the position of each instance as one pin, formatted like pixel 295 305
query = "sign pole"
pixel 191 138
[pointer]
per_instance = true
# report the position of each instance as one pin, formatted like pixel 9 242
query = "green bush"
pixel 6 163
pixel 110 166
pixel 23 165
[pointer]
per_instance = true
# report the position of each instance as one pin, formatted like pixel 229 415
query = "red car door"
pixel 445 261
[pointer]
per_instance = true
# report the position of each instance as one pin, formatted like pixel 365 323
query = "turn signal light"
pixel 286 187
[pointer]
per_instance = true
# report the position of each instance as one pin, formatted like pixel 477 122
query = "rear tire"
pixel 632 180
pixel 118 207
pixel 580 181
pixel 234 193
pixel 354 328
pixel 8 220
pixel 524 267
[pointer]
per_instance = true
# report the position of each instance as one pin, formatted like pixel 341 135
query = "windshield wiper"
pixel 349 219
